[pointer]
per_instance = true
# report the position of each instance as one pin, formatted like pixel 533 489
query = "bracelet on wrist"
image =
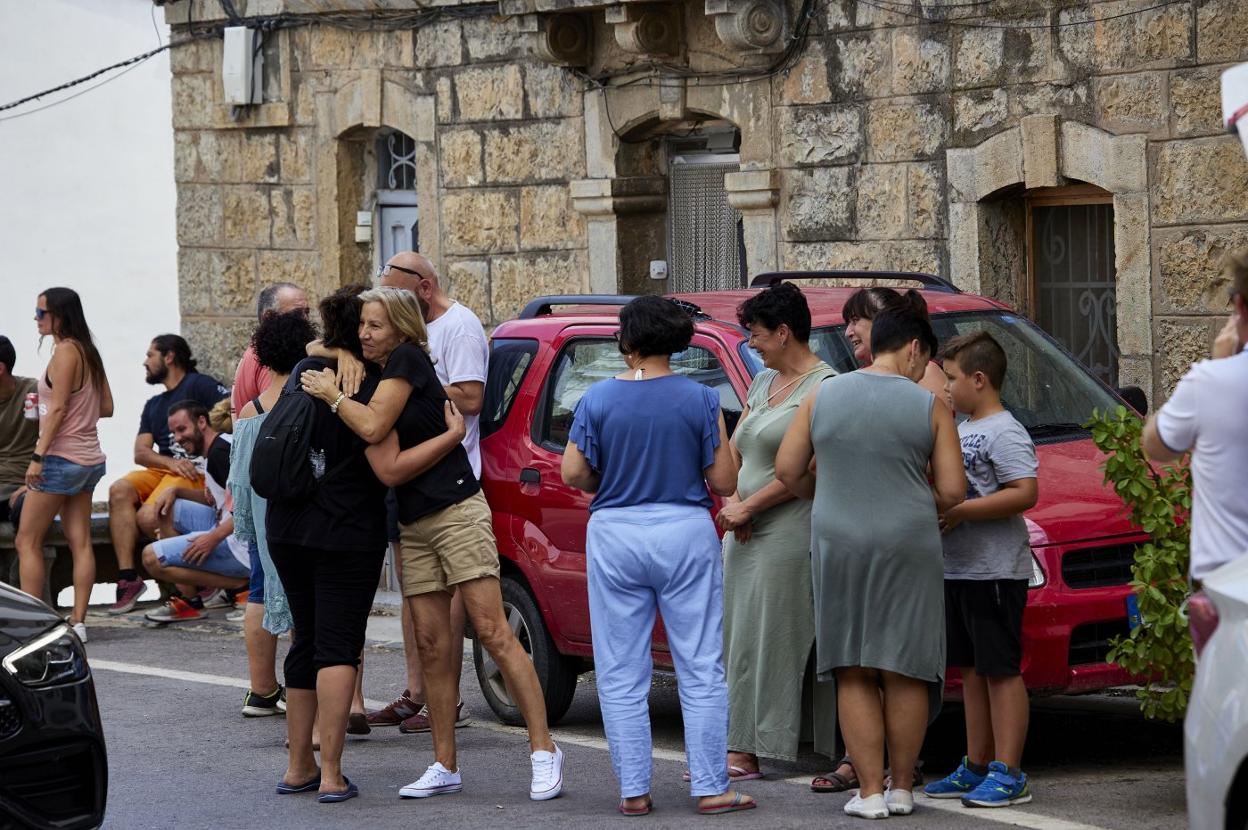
pixel 333 407
pixel 36 457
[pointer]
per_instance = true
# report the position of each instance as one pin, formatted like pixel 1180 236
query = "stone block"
pixel 979 54
pixel 862 65
pixel 1116 163
pixel 1190 278
pixel 468 281
pixel 881 204
pixel 1164 35
pixel 978 114
pixel 490 94
pixel 460 152
pixel 553 91
pixel 303 268
pixel 1072 101
pixel 194 281
pixel 246 218
pixel 925 199
pixel 1196 102
pixel 193 56
pixel 1221 31
pixel 306 91
pixel 439 44
pixel 444 91
pixel 903 132
pixel 899 255
pixel 920 61
pixel 408 110
pixel 1133 273
pixel 1132 103
pixel 1115 39
pixel 539 151
pixel 818 204
pixel 257 161
pixel 199 214
pixel 218 343
pixel 295 156
pixel 185 156
pixel 294 216
pixel 819 135
pixel 1200 180
pixel 1180 343
pixel 398 48
pixel 547 220
pixel 1040 139
pixel 233 283
pixel 193 102
pixel 330 47
pixel 807 81
pixel 517 279
pixel 1028 49
pixel 493 38
pixel 480 221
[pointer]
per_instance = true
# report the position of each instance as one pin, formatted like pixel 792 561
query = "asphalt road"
pixel 180 753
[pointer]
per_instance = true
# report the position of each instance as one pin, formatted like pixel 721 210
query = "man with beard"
pixel 132 499
pixel 195 542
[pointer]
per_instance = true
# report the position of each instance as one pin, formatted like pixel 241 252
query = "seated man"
pixel 132 499
pixel 195 543
pixel 18 433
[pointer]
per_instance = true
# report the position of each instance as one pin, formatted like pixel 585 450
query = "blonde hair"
pixel 403 310
pixel 219 417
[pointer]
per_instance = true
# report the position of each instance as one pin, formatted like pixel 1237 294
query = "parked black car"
pixel 53 764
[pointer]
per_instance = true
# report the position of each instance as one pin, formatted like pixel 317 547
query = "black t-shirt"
pixel 448 482
pixel 218 458
pixel 348 510
pixel 155 418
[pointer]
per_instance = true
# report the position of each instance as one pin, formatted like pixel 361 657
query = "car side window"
pixel 584 362
pixel 509 363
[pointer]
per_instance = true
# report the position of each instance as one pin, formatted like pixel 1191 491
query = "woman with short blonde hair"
pixel 404 312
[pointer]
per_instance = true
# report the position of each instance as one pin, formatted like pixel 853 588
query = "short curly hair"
pixel 651 325
pixel 281 341
pixel 781 304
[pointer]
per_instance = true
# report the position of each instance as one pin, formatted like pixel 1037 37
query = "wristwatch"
pixel 333 407
pixel 36 457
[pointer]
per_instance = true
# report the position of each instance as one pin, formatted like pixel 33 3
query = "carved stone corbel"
pixel 754 26
pixel 563 39
pixel 646 29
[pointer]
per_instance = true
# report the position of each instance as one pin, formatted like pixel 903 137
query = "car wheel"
pixel 556 673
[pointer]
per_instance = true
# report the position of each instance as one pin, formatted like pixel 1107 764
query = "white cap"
pixel 1235 102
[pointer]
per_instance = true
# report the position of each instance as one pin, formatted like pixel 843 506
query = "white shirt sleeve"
pixel 1177 420
pixel 463 349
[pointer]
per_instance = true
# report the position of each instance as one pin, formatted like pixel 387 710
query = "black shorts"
pixel 984 625
pixel 392 516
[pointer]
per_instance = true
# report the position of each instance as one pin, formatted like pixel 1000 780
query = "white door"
pixel 398 223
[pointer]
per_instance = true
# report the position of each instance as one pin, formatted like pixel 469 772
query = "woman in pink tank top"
pixel 68 462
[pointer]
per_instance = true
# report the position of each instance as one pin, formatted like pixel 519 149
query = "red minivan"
pixel 543 361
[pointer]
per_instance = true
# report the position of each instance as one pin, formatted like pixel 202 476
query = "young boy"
pixel 987 565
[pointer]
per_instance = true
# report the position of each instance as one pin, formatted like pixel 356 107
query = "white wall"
pixel 87 195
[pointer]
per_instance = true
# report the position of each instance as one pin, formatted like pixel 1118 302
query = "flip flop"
pixel 636 811
pixel 733 806
pixel 311 785
pixel 343 795
pixel 734 774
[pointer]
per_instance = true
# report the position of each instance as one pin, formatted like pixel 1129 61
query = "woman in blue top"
pixel 648 443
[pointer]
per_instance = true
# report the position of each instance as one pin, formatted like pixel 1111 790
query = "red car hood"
pixel 1075 505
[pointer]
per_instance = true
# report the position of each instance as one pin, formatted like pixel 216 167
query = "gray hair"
pixel 267 301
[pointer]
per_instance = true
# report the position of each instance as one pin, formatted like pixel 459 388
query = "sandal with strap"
pixel 834 782
pixel 643 810
pixel 738 803
pixel 918 776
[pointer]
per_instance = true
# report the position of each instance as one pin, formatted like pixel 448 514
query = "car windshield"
pixel 1046 389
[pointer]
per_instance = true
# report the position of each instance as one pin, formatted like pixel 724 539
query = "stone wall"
pixel 850 159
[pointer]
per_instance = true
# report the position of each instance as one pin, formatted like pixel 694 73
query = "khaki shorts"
pixel 454 545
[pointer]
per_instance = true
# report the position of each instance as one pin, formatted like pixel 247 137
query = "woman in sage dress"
pixel 876 553
pixel 769 616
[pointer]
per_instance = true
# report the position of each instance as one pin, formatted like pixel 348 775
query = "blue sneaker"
pixel 956 784
pixel 999 789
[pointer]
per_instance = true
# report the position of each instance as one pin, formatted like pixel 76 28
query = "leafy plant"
pixel 1159 649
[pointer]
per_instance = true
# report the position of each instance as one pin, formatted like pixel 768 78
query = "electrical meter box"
pixel 242 66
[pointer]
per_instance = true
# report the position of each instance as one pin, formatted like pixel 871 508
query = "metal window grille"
pixel 1075 283
pixel 703 230
pixel 396 162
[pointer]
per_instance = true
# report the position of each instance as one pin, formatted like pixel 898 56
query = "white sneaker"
pixel 437 780
pixel 900 802
pixel 872 807
pixel 547 780
pixel 80 628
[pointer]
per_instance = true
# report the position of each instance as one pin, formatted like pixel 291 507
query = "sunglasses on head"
pixel 381 272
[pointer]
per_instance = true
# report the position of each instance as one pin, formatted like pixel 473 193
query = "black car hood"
pixel 22 618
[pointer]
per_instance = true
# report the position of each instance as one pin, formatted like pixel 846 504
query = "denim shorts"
pixel 62 477
pixel 192 519
pixel 255 590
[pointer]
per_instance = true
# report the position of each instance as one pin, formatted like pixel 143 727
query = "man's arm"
pixel 468 396
pixel 1154 447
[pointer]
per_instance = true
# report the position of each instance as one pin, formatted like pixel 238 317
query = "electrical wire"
pixel 60 101
pixel 966 24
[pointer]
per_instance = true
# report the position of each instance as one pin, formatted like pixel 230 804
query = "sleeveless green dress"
pixel 769 617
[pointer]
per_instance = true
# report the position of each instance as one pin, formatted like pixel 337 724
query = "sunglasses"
pixel 40 313
pixel 381 271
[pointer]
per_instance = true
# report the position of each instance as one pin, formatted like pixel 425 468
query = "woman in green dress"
pixel 769 618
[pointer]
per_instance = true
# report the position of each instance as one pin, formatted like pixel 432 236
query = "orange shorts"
pixel 151 482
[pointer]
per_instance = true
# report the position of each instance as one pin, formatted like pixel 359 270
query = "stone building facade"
pixel 561 146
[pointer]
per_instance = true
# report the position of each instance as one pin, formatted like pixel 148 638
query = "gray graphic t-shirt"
pixel 995 450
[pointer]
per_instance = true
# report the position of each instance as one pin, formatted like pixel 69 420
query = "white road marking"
pixel 240 683
pixel 1013 816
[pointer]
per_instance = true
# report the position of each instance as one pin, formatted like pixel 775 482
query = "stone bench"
pixel 61 572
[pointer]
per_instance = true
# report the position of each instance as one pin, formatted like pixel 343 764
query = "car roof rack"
pixel 544 305
pixel 926 280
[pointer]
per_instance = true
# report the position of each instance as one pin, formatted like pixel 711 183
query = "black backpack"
pixel 281 463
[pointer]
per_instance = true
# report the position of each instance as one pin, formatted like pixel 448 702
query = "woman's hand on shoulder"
pixel 454 420
pixel 350 373
pixel 322 385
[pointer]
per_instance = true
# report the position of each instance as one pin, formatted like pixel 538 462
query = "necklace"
pixel 818 367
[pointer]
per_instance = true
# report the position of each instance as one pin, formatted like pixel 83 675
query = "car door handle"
pixel 530 476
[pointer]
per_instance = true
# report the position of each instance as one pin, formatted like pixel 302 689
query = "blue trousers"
pixel 659 557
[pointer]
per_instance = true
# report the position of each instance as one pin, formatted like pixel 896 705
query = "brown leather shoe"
pixel 394 713
pixel 419 722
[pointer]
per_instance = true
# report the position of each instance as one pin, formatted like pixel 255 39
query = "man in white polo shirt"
pixel 1208 414
pixel 460 352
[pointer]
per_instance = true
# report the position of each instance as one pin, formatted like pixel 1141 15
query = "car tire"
pixel 556 673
